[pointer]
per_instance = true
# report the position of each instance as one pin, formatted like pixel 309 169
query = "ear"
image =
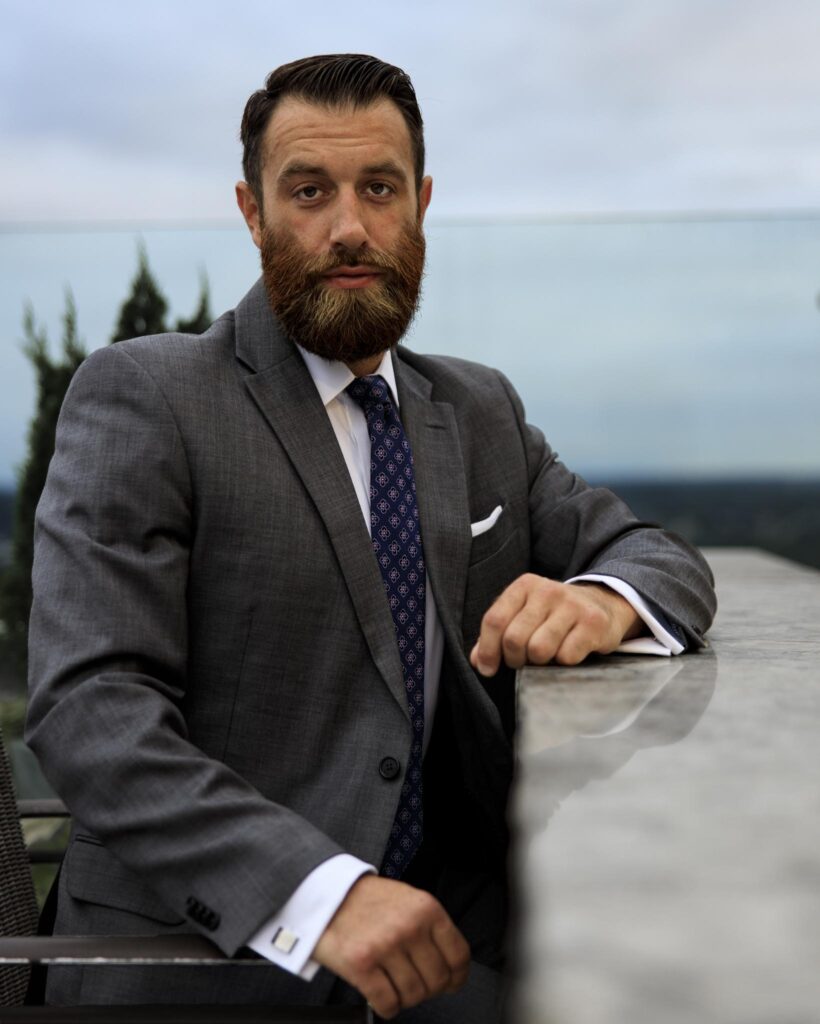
pixel 247 203
pixel 425 195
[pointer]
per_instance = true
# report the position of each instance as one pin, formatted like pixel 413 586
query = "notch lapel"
pixel 441 487
pixel 284 391
pixel 444 508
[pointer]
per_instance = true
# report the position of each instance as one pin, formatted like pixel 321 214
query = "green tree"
pixel 53 375
pixel 202 318
pixel 143 312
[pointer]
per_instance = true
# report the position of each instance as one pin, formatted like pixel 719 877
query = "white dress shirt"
pixel 290 936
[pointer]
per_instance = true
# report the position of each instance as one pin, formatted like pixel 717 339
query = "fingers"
pixel 380 993
pixel 423 967
pixel 438 962
pixel 435 959
pixel 547 640
pixel 486 655
pixel 409 985
pixel 526 623
pixel 536 620
pixel 454 951
pixel 395 944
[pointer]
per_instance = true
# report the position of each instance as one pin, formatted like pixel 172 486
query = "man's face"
pixel 340 226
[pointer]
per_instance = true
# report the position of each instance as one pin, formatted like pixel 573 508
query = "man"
pixel 247 712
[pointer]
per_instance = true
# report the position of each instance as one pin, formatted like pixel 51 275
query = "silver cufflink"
pixel 284 940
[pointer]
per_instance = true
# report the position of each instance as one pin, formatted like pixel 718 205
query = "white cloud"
pixel 122 112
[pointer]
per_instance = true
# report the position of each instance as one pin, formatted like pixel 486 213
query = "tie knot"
pixel 369 392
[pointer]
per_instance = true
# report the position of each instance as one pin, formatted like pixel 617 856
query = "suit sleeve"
pixel 108 656
pixel 578 529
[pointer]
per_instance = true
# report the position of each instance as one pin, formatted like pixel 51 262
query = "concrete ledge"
pixel 668 820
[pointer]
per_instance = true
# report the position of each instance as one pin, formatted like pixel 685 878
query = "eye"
pixel 380 189
pixel 308 192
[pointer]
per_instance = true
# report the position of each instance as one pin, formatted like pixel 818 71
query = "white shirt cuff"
pixel 290 936
pixel 661 642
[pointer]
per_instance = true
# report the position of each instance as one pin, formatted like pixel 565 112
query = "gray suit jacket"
pixel 214 675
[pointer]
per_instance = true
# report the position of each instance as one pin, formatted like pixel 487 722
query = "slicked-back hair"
pixel 332 80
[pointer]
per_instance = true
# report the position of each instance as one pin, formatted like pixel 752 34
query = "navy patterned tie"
pixel 396 534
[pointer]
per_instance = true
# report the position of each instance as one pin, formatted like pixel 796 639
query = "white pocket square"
pixel 476 529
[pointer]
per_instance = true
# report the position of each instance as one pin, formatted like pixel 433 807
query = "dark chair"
pixel 21 947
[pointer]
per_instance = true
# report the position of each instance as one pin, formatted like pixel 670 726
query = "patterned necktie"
pixel 396 534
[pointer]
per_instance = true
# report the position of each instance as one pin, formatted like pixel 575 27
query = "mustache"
pixel 316 267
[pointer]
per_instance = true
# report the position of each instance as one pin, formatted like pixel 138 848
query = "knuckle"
pixel 429 901
pixel 514 641
pixel 362 959
pixel 570 656
pixel 541 650
pixel 462 968
pixel 514 659
pixel 595 617
pixel 440 978
pixel 494 619
pixel 385 1003
pixel 460 976
pixel 460 950
pixel 443 929
pixel 414 991
pixel 544 586
pixel 426 905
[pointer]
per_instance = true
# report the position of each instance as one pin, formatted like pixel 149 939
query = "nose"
pixel 348 230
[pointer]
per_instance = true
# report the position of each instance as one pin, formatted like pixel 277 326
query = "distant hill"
pixel 780 516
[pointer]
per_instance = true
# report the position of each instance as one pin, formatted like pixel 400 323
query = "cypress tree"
pixel 53 375
pixel 202 318
pixel 143 312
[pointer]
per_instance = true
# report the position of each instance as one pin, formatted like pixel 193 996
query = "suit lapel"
pixel 441 486
pixel 283 389
pixel 441 483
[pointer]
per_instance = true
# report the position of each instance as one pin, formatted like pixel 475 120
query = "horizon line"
pixel 545 217
pixel 636 476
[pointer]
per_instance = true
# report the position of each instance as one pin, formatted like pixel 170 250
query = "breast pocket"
pixel 490 534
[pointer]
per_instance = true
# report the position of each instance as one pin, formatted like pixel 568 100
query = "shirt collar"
pixel 331 377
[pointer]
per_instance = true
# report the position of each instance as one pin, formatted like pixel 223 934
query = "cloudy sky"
pixel 126 115
pixel 114 111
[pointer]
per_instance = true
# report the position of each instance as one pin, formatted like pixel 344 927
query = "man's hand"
pixel 536 620
pixel 395 944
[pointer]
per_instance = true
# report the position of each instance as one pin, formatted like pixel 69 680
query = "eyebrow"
pixel 388 168
pixel 296 170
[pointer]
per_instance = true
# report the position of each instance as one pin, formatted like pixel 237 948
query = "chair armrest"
pixel 117 949
pixel 183 1014
pixel 41 809
pixel 176 950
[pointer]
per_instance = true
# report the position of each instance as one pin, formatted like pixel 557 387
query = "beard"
pixel 348 324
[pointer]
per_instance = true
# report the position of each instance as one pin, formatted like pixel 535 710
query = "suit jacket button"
pixel 389 768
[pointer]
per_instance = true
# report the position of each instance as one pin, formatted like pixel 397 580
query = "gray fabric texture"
pixel 214 678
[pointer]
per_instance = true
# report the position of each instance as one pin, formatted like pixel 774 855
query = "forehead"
pixel 313 133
